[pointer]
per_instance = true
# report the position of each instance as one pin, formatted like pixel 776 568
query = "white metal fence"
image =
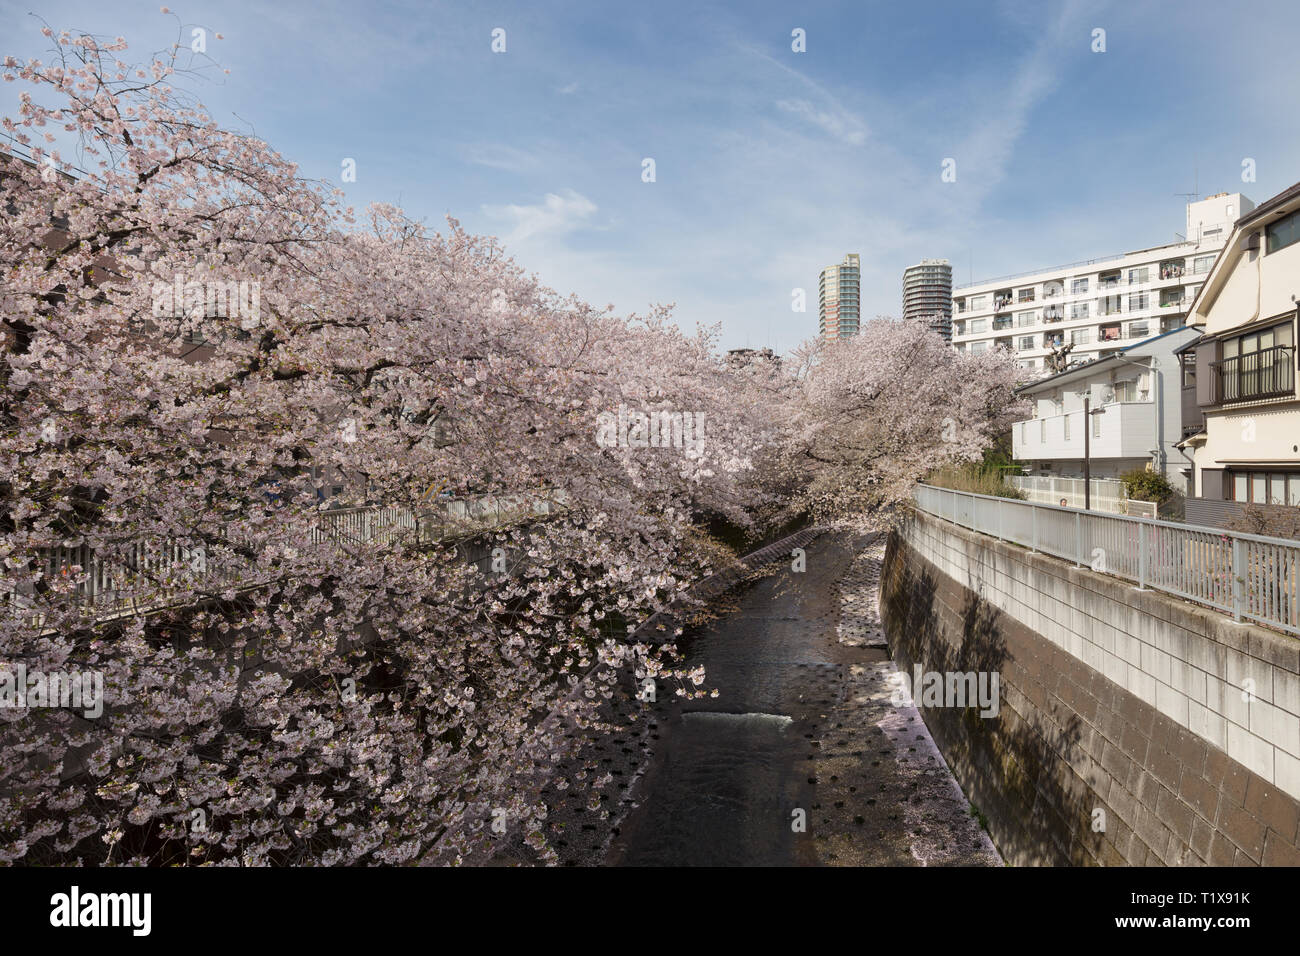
pixel 164 567
pixel 1248 576
pixel 1108 494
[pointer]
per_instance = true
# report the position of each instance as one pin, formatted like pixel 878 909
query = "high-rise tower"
pixel 839 295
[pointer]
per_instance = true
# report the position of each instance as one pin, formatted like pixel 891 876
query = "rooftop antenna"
pixel 1196 185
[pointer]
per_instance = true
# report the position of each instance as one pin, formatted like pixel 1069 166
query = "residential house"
pixel 1135 405
pixel 1245 368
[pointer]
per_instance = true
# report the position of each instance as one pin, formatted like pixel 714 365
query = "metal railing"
pixel 1106 494
pixel 1248 576
pixel 162 569
pixel 1268 373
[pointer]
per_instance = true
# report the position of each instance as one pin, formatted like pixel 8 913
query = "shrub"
pixel 975 477
pixel 1143 485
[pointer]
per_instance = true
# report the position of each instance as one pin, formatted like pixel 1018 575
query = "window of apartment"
pixel 978 302
pixel 1126 391
pixel 1138 329
pixel 1065 425
pixel 1202 265
pixel 1081 336
pixel 1078 286
pixel 1108 305
pixel 1025 318
pixel 1025 342
pixel 1042 429
pixel 1078 310
pixel 1284 232
pixel 1257 365
pixel 1025 295
pixel 1137 301
pixel 1266 487
pixel 1187 361
pixel 1137 276
pixel 1096 426
pixel 1108 280
pixel 977 347
pixel 978 325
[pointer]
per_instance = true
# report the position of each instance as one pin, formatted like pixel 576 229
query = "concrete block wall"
pixel 1114 699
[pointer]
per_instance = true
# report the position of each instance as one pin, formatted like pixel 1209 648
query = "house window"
pixel 1026 342
pixel 1138 329
pixel 1081 336
pixel 978 325
pixel 977 302
pixel 1137 301
pixel 1283 233
pixel 1188 360
pixel 1202 264
pixel 1078 286
pixel 1042 429
pixel 977 347
pixel 1065 425
pixel 1126 391
pixel 1079 310
pixel 1266 487
pixel 1096 426
pixel 1258 365
pixel 1025 318
pixel 1137 276
pixel 1025 295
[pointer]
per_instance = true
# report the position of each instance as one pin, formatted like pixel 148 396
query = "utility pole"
pixel 1087 452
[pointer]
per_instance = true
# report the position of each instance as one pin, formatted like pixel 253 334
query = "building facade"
pixel 1245 362
pixel 839 299
pixel 1093 309
pixel 1134 421
pixel 927 295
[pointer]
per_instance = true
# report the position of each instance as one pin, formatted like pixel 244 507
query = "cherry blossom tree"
pixel 201 351
pixel 879 411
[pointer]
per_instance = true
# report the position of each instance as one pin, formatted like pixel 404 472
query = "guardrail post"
pixel 1142 557
pixel 1078 539
pixel 1238 577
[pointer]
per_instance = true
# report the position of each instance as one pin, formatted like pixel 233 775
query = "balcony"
pixel 1122 430
pixel 1268 373
pixel 1001 322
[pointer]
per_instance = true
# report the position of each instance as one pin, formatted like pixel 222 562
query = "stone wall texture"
pixel 1113 699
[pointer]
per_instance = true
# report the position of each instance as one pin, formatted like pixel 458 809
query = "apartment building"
pixel 839 299
pixel 1134 417
pixel 1096 308
pixel 1245 366
pixel 927 295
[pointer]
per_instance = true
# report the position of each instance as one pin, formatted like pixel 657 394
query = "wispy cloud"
pixel 499 156
pixel 838 123
pixel 566 90
pixel 555 215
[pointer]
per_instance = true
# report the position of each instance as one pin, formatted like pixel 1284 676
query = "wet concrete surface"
pixel 805 757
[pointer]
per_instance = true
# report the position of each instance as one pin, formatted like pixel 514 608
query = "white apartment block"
pixel 1099 306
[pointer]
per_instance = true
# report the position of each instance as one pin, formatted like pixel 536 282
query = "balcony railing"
pixel 1268 373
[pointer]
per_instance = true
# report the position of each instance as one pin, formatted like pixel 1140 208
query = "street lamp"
pixel 1087 449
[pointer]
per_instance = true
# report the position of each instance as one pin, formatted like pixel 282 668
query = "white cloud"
pixel 555 215
pixel 499 156
pixel 837 122
pixel 566 90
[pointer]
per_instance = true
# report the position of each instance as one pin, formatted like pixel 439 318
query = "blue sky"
pixel 770 164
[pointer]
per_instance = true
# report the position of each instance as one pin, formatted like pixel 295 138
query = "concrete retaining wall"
pixel 1115 700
